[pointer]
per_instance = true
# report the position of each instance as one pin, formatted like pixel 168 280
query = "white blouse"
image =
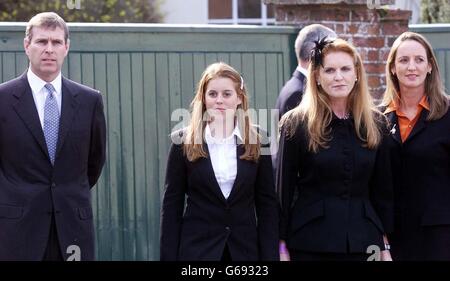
pixel 222 153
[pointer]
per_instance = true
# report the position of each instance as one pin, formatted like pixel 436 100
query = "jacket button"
pixel 227 228
pixel 53 185
pixel 345 196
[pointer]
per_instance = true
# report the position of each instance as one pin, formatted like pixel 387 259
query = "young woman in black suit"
pixel 220 201
pixel 333 168
pixel 418 109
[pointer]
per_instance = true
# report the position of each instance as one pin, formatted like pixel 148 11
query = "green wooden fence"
pixel 439 37
pixel 145 72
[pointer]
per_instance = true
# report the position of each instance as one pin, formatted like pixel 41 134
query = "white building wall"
pixel 185 11
pixel 196 11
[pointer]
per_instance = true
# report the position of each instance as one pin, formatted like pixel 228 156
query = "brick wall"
pixel 372 31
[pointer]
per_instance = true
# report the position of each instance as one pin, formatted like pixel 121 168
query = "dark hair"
pixel 317 51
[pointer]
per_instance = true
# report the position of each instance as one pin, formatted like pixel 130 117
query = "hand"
pixel 385 255
pixel 284 253
pixel 285 256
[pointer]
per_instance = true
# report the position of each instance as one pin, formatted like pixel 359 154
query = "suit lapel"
pixel 211 177
pixel 297 74
pixel 240 166
pixel 395 130
pixel 419 126
pixel 68 109
pixel 26 109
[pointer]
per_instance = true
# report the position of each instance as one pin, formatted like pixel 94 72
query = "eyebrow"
pixel 405 56
pixel 226 90
pixel 47 39
pixel 347 65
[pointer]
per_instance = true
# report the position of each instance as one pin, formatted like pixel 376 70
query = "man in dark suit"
pixel 291 93
pixel 52 150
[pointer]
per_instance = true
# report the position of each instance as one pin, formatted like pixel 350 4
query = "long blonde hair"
pixel 194 139
pixel 434 88
pixel 314 110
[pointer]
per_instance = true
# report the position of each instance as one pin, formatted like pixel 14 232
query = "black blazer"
pixel 421 170
pixel 336 200
pixel 291 93
pixel 289 97
pixel 199 230
pixel 31 189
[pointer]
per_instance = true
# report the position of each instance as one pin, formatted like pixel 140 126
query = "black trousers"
pixel 315 256
pixel 426 243
pixel 226 256
pixel 53 250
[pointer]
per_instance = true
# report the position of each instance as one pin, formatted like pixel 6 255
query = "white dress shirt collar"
pixel 223 157
pixel 37 84
pixel 228 140
pixel 40 93
pixel 302 70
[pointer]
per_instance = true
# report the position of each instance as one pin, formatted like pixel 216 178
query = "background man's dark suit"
pixel 289 97
pixel 291 93
pixel 31 189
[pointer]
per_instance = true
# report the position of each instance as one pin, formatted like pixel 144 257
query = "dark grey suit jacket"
pixel 291 93
pixel 31 189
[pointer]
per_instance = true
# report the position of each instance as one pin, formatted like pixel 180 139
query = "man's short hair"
pixel 306 37
pixel 47 20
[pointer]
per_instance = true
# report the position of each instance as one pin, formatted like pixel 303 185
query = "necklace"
pixel 345 117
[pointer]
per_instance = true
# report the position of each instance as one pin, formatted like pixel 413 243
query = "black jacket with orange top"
pixel 421 172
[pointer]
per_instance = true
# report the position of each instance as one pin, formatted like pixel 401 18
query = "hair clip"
pixel 317 51
pixel 242 83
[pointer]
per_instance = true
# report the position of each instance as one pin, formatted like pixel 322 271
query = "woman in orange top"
pixel 418 109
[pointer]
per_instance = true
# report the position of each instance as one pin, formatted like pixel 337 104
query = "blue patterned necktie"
pixel 51 121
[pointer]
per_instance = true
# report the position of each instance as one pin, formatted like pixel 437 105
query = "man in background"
pixel 291 93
